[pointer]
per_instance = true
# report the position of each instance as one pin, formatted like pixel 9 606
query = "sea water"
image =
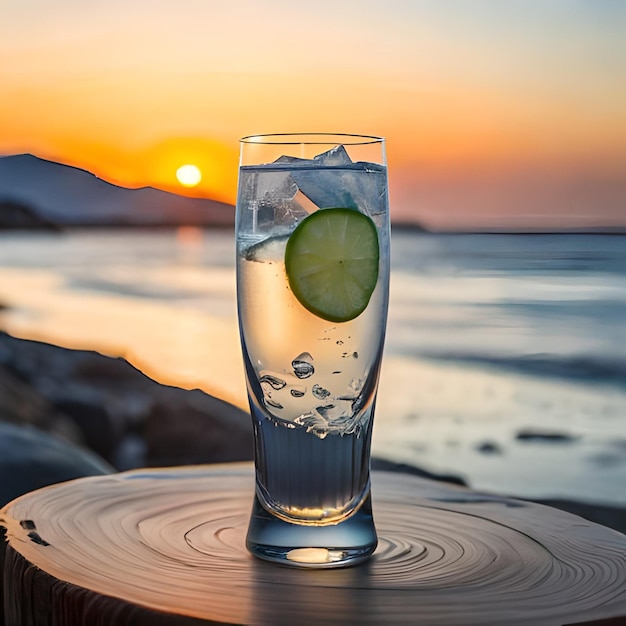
pixel 489 336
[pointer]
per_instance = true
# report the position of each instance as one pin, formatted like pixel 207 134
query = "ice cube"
pixel 288 212
pixel 271 198
pixel 331 179
pixel 305 203
pixel 275 186
pixel 336 156
pixel 367 186
pixel 291 160
pixel 359 186
pixel 274 205
pixel 322 188
pixel 314 423
pixel 341 418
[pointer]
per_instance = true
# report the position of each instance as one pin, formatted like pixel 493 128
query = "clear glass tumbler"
pixel 312 232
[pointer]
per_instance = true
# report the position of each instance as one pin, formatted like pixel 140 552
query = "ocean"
pixel 505 360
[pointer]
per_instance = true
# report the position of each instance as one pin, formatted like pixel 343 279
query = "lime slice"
pixel 331 262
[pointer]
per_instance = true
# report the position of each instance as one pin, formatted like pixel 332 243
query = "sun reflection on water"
pixel 180 346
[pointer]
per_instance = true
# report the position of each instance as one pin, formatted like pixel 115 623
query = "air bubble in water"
pixel 356 385
pixel 303 366
pixel 269 402
pixel 319 392
pixel 273 381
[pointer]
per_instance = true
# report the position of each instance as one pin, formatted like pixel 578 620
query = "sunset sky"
pixel 497 113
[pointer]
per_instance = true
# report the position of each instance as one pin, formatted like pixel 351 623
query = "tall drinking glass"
pixel 312 287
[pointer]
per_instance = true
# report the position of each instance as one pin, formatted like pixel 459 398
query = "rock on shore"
pixel 108 406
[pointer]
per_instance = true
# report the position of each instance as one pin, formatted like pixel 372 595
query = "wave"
pixel 160 293
pixel 587 368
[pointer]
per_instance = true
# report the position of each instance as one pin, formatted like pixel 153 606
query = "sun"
pixel 189 175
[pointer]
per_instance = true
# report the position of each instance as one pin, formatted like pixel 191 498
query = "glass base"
pixel 346 543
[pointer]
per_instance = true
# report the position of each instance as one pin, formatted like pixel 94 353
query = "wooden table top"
pixel 166 546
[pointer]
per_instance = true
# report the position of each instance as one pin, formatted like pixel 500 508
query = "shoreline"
pixel 508 424
pixel 397 227
pixel 115 411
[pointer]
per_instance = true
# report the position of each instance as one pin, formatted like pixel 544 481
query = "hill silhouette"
pixel 15 215
pixel 52 193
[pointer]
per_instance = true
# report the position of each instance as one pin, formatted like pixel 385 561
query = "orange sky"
pixel 496 113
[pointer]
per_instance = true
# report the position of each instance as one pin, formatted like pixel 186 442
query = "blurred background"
pixel 506 142
pixel 497 114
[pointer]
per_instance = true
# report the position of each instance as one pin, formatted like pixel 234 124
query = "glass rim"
pixel 289 139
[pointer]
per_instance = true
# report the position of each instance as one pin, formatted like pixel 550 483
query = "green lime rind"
pixel 331 261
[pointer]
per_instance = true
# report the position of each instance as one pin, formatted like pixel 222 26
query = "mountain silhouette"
pixel 14 215
pixel 69 196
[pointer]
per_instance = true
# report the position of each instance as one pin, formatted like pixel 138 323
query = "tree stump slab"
pixel 168 547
